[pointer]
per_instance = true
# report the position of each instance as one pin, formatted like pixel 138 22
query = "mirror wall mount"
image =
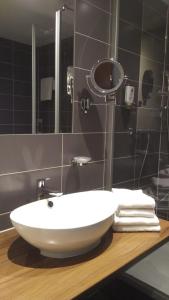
pixel 105 78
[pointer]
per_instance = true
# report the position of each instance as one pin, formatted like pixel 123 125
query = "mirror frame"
pixel 94 83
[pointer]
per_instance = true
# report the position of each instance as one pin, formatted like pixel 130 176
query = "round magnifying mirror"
pixel 107 75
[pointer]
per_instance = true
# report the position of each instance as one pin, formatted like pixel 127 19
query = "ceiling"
pixel 17 17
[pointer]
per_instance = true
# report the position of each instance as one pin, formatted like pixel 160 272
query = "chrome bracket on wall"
pixel 85 104
pixel 105 78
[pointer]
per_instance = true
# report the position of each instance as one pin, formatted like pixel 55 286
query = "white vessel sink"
pixel 73 226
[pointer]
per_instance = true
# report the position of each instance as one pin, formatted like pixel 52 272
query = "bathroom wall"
pixel 15 87
pixel 65 99
pixel 26 158
pixel 45 67
pixel 139 129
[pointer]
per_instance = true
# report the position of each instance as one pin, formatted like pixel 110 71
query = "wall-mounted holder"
pixel 131 131
pixel 85 103
pixel 81 160
pixel 129 95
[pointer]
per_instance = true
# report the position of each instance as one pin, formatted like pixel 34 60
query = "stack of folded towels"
pixel 136 211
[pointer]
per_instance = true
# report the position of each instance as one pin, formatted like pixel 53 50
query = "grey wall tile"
pixel 131 11
pixel 83 145
pixel 146 183
pixel 93 121
pixel 21 188
pixel 153 22
pixel 124 144
pixel 164 142
pixel 151 47
pixel 130 63
pixel 105 5
pixel 159 6
pixel 147 139
pixel 29 152
pixel 5 101
pixel 5 86
pixel 148 119
pixel 148 166
pixel 92 21
pixel 125 118
pixel 22 117
pixel 76 179
pixel 129 37
pixel 6 117
pixel 5 222
pixel 81 88
pixel 123 169
pixel 88 51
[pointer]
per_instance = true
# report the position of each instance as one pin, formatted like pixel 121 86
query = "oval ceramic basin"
pixel 73 226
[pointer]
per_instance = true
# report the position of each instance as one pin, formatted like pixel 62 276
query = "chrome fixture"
pixel 81 160
pixel 105 78
pixel 44 193
pixel 85 104
pixel 70 81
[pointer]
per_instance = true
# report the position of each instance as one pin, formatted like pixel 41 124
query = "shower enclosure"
pixel 140 148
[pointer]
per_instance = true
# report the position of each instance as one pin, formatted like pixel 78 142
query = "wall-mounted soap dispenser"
pixel 129 95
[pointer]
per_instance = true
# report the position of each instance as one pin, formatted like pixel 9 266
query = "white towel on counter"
pixel 46 88
pixel 136 228
pixel 135 221
pixel 147 213
pixel 133 199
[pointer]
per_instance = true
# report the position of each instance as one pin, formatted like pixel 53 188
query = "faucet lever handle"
pixel 41 182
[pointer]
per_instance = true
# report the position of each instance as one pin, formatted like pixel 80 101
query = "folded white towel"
pixel 136 228
pixel 129 221
pixel 132 199
pixel 147 213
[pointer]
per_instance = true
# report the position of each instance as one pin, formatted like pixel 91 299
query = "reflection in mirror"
pixel 55 108
pixel 15 68
pixel 66 67
pixel 20 111
pixel 45 77
pixel 147 89
pixel 107 76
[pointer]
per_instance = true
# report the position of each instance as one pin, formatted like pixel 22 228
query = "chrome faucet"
pixel 44 193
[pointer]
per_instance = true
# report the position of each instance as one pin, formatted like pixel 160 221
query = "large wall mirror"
pixel 36 66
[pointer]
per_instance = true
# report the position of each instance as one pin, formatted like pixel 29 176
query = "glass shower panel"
pixel 150 95
pixel 162 182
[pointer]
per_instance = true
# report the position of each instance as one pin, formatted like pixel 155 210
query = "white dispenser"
pixel 129 95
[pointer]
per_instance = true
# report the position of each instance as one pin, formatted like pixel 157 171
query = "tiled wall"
pixel 65 99
pixel 45 67
pixel 15 87
pixel 26 158
pixel 140 130
pixel 92 34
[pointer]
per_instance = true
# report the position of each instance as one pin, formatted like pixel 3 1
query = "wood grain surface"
pixel 26 275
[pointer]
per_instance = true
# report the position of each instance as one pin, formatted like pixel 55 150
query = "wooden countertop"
pixel 24 274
